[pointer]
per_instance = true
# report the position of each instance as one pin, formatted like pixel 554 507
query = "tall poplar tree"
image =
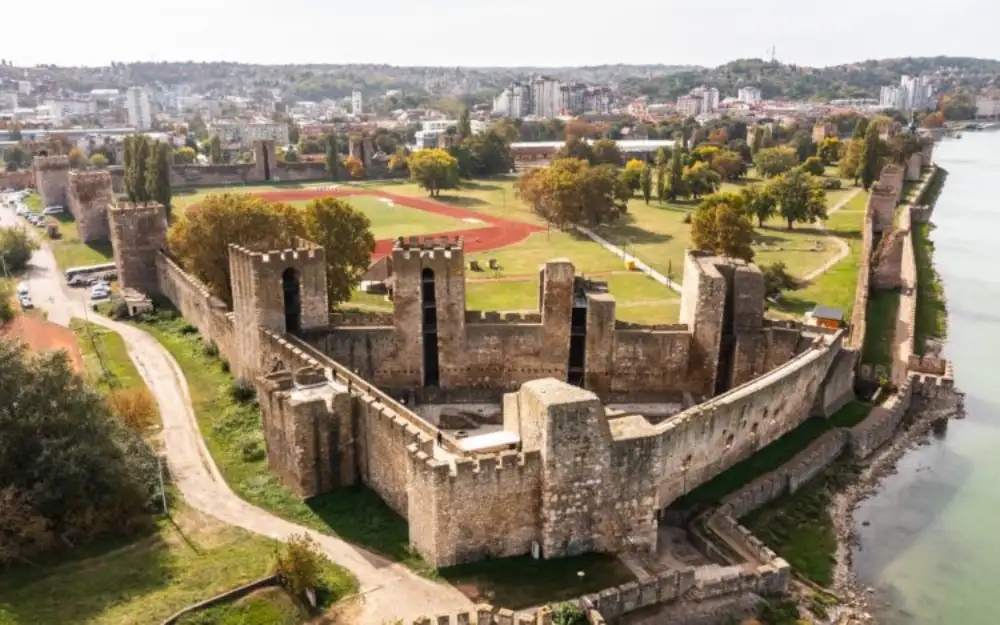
pixel 158 175
pixel 871 157
pixel 332 156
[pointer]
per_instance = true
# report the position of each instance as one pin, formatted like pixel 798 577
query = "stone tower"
pixel 138 233
pixel 52 179
pixel 429 308
pixel 89 196
pixel 264 159
pixel 284 291
pixel 556 283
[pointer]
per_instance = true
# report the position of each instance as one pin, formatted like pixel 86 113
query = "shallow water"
pixel 932 546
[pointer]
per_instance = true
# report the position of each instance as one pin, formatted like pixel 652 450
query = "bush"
pixel 16 247
pixel 687 218
pixel 252 451
pixel 568 614
pixel 211 349
pixel 136 407
pixel 832 183
pixel 224 365
pixel 814 166
pixel 120 311
pixel 242 391
pixel 187 328
pixel 777 279
pixel 300 565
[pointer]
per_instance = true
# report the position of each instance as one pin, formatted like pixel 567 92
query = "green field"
pixel 68 249
pixel 389 222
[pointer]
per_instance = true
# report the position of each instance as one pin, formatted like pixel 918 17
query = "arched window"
pixel 293 300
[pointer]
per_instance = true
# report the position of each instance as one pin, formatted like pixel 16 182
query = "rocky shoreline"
pixel 915 431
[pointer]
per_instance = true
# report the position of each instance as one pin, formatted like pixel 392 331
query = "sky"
pixel 499 32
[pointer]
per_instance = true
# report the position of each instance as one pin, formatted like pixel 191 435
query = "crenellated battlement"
pixel 494 317
pixel 425 244
pixel 301 250
pixel 54 162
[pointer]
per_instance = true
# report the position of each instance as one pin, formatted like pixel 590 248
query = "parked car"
pixel 26 302
pixel 52 210
pixel 78 281
pixel 99 291
pixel 22 211
pixel 22 289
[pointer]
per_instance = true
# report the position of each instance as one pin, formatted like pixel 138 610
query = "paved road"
pixel 390 591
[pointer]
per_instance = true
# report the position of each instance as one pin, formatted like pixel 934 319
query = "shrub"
pixel 211 349
pixel 224 365
pixel 120 311
pixel 687 218
pixel 242 391
pixel 187 328
pixel 300 565
pixel 814 166
pixel 832 183
pixel 16 247
pixel 252 451
pixel 568 614
pixel 136 407
pixel 777 279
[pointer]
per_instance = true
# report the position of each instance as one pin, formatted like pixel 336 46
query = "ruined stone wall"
pixel 882 206
pixel 888 258
pixel 892 177
pixel 906 319
pixel 882 422
pixel 702 305
pixel 196 303
pixel 207 175
pixel 860 309
pixel 300 171
pixel 52 179
pixel 838 389
pixel 17 180
pixel 89 196
pixel 913 167
pixel 705 440
pixel 489 507
pixel 762 350
pixel 138 233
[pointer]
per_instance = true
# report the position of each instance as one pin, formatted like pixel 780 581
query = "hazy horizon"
pixel 475 33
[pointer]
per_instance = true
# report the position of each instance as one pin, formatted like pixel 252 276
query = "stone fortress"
pixel 558 432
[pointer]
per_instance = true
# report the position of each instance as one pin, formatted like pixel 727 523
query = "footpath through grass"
pixel 932 311
pixel 771 457
pixel 183 562
pixel 883 307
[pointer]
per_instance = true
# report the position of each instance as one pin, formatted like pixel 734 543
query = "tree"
pixel 76 159
pixel 870 162
pixel 489 154
pixel 606 152
pixel 758 202
pixel 355 168
pixel 830 149
pixel 158 176
pixel 434 170
pixel 201 238
pixel 772 162
pixel 215 150
pixel 934 120
pixel 700 179
pixel 777 279
pixel 723 229
pixel 293 133
pixel 16 158
pixel 647 182
pixel 571 190
pixel 756 143
pixel 70 472
pixel 575 147
pixel 799 196
pixel 16 247
pixel 675 181
pixel 137 157
pixel 399 162
pixel 661 174
pixel 345 233
pixel 98 161
pixel 332 156
pixel 859 128
pixel 464 124
pixel 632 174
pixel 300 565
pixel 184 156
pixel 198 127
pixel 849 165
pixel 729 165
pixel 814 166
pixel 291 156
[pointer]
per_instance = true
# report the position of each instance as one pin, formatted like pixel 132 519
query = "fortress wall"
pixel 489 507
pixel 503 355
pixel 300 171
pixel 760 351
pixel 383 463
pixel 881 424
pixel 649 361
pixel 198 306
pixel 196 175
pixel 705 440
pixel 17 179
pixel 364 350
pixel 859 314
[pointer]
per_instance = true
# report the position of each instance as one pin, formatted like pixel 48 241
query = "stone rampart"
pixel 882 422
pixel 360 318
pixel 892 176
pixel 17 180
pixel 494 317
pixel 860 310
pixel 204 175
pixel 52 179
pixel 196 303
pixel 89 196
pixel 888 258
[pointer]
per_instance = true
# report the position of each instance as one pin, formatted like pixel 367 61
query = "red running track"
pixel 499 233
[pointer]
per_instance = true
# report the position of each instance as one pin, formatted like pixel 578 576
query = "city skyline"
pixel 395 32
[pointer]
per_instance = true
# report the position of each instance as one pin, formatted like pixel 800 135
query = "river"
pixel 931 546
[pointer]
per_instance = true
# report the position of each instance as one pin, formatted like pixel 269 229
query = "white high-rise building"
pixel 914 93
pixel 545 97
pixel 689 105
pixel 357 104
pixel 137 104
pixel 750 95
pixel 710 100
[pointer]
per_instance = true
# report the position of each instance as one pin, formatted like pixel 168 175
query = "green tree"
pixel 729 165
pixel 722 228
pixel 662 159
pixel 830 149
pixel 464 128
pixel 98 161
pixel 346 233
pixel 158 175
pixel 215 150
pixel 777 279
pixel 575 147
pixel 137 157
pixel 799 196
pixel 860 127
pixel 434 170
pixel 16 157
pixel 647 182
pixel 870 162
pixel 571 190
pixel 293 133
pixel 757 141
pixel 632 174
pixel 184 156
pixel 76 159
pixel 489 154
pixel 198 127
pixel 606 152
pixel 849 165
pixel 16 247
pixel 332 156
pixel 71 473
pixel 675 181
pixel 759 202
pixel 300 565
pixel 814 165
pixel 700 179
pixel 291 156
pixel 772 162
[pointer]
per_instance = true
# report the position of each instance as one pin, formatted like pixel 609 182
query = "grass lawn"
pixel 187 560
pixel 104 349
pixel 389 222
pixel 70 251
pixel 932 311
pixel 233 434
pixel 270 606
pixel 883 307
pixel 771 457
pixel 522 582
pixel 491 196
pixel 835 287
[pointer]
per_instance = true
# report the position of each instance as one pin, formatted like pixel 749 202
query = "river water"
pixel 932 546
